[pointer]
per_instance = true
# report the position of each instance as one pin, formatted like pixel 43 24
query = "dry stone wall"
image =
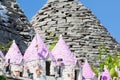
pixel 81 30
pixel 15 26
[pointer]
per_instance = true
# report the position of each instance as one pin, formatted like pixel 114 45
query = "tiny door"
pixel 48 68
pixel 78 75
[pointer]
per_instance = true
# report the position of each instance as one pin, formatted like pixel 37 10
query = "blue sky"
pixel 107 11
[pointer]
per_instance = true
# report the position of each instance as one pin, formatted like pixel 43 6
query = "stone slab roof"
pixel 14 24
pixel 80 28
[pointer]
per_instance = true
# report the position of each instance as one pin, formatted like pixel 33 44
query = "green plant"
pixel 52 45
pixel 102 50
pixel 2 77
pixel 110 61
pixel 5 48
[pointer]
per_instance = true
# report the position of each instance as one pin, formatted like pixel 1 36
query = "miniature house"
pixel 13 60
pixel 65 60
pixel 36 55
pixel 59 63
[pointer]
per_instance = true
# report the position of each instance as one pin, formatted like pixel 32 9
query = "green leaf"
pixel 8 45
pixel 118 65
pixel 56 38
pixel 113 73
pixel 52 46
pixel 101 66
pixel 99 56
pixel 96 71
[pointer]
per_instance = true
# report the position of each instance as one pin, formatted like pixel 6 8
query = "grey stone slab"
pixel 79 26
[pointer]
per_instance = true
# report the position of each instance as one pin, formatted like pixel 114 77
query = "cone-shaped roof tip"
pixel 13 41
pixel 60 36
pixel 61 50
pixel 37 50
pixel 87 70
pixel 14 54
pixel 106 73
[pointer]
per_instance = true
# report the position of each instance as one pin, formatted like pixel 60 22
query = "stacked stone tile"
pixel 16 26
pixel 80 28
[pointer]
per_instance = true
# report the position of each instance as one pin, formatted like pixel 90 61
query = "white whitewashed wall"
pixel 32 65
pixel 68 73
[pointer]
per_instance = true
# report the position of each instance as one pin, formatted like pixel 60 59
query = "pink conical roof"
pixel 106 74
pixel 87 72
pixel 36 50
pixel 14 54
pixel 61 50
pixel 1 55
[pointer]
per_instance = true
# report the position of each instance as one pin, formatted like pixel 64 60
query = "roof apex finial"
pixel 60 36
pixel 13 41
